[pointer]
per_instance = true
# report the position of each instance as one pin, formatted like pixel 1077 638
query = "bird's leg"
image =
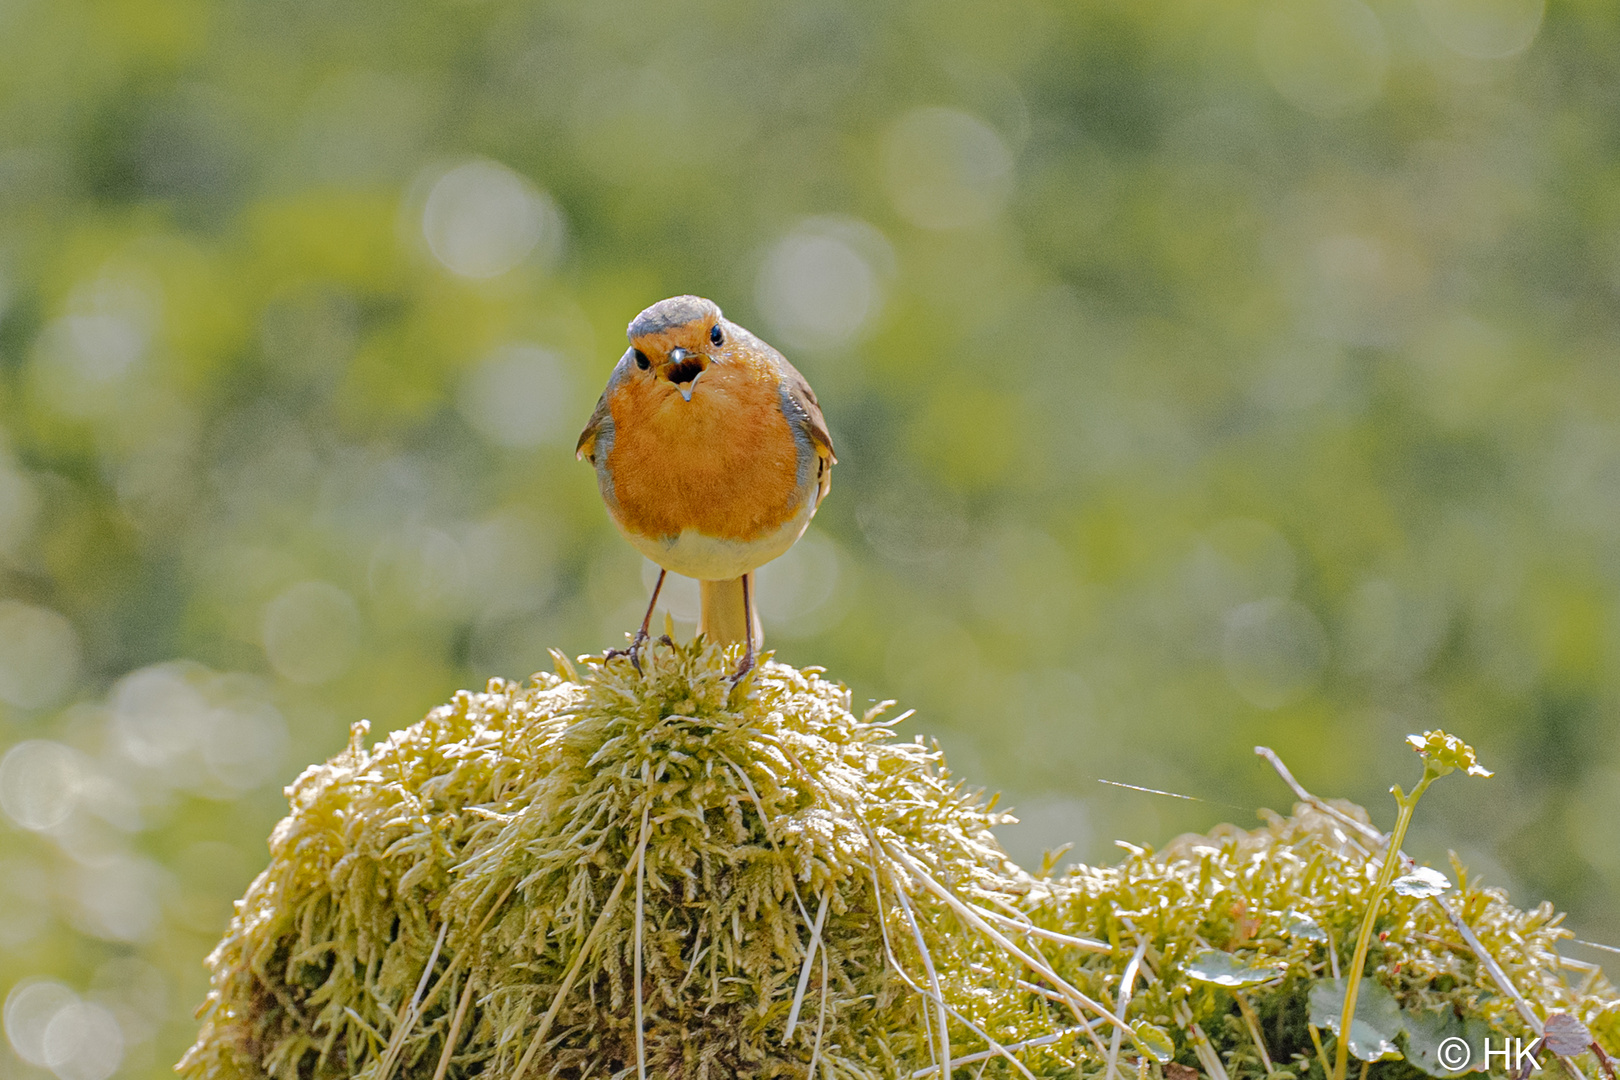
pixel 634 651
pixel 748 634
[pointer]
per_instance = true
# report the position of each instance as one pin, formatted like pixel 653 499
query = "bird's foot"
pixel 743 669
pixel 633 652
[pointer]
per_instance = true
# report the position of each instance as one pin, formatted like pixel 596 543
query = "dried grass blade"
pixel 933 982
pixel 1320 805
pixel 455 961
pixel 579 961
pixel 1207 1057
pixel 1253 1022
pixel 1076 999
pixel 454 1034
pixel 1127 983
pixel 407 1018
pixel 764 820
pixel 821 1020
pixel 804 970
pixel 641 877
pixel 1088 944
pixel 1027 1044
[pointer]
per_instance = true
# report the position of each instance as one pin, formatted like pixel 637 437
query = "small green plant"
pixel 1442 754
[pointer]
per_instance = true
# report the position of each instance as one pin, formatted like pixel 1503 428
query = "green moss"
pixel 496 875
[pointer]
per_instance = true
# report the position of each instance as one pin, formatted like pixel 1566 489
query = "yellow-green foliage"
pixel 484 876
pixel 523 808
pixel 1273 902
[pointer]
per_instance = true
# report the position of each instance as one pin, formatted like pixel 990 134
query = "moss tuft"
pixel 600 873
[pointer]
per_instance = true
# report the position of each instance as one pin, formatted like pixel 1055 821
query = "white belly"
pixel 706 558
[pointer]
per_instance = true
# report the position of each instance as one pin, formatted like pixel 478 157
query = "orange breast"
pixel 725 463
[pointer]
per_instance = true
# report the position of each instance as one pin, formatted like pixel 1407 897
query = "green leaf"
pixel 1432 1042
pixel 1421 882
pixel 1373 1028
pixel 1225 969
pixel 1302 926
pixel 1155 1040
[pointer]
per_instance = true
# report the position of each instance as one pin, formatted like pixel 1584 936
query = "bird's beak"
pixel 683 370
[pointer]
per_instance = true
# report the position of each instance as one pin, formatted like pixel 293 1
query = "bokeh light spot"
pixel 83 1042
pixel 119 898
pixel 797 590
pixel 1484 29
pixel 520 396
pixel 1326 57
pixel 482 219
pixel 1239 560
pixel 30 1007
pixel 19 508
pixel 82 359
pixel 39 783
pixel 820 285
pixel 911 525
pixel 245 745
pixel 1391 632
pixel 311 632
pixel 945 169
pixel 39 655
pixel 422 569
pixel 1274 651
pixel 158 714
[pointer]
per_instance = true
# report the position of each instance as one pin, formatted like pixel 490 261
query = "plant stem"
pixel 1392 856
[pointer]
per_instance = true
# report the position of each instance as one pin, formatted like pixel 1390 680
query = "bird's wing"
pixel 586 447
pixel 808 411
pixel 805 411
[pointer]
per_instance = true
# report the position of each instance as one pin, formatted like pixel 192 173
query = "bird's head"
pixel 676 340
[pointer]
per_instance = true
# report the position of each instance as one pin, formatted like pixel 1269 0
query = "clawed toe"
pixel 742 671
pixel 633 653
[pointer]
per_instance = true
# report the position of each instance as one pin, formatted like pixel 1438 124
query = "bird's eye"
pixel 641 360
pixel 716 337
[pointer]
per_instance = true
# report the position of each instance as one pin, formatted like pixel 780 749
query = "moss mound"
pixel 1242 935
pixel 605 873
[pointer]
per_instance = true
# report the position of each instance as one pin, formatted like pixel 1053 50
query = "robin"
pixel 712 455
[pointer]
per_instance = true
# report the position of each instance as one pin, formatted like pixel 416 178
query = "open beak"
pixel 683 370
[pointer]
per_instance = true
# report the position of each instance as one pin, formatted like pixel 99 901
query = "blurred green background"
pixel 1202 374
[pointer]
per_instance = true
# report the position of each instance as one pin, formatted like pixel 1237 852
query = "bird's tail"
pixel 727 610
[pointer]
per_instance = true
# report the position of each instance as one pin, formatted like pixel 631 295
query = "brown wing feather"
pixel 586 447
pixel 799 390
pixel 815 425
